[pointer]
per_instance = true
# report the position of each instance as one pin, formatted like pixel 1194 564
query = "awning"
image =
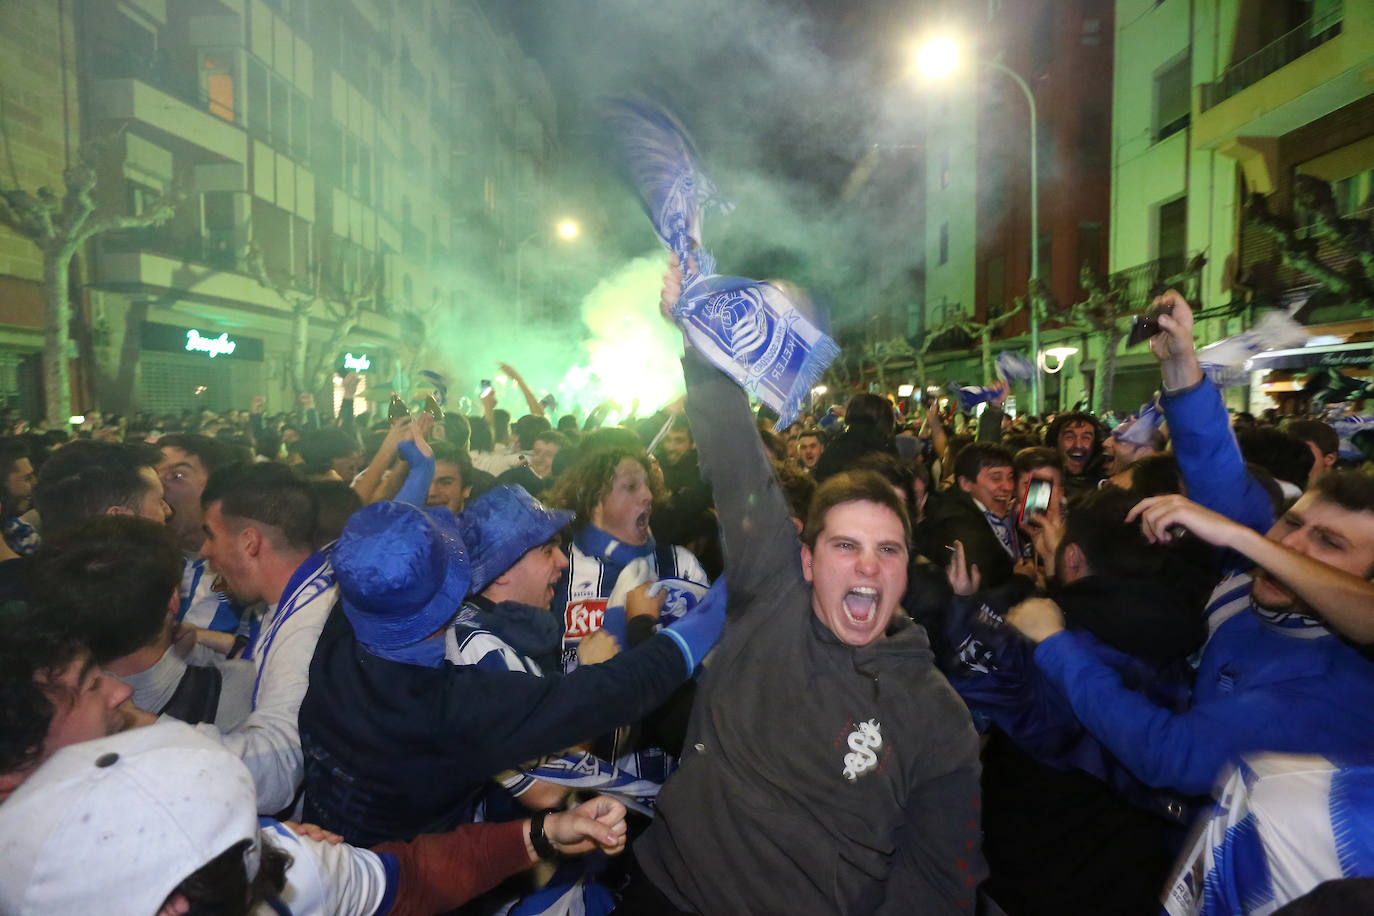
pixel 1334 357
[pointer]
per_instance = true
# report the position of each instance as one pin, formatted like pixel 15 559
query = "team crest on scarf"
pixel 864 743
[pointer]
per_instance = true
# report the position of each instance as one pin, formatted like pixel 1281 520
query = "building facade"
pixel 978 170
pixel 1214 103
pixel 354 158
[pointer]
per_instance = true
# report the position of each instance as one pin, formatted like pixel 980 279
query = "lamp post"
pixel 937 58
pixel 567 230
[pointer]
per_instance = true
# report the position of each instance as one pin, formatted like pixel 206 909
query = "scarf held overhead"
pixel 749 329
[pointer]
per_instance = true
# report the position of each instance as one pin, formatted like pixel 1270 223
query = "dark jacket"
pixel 393 750
pixel 848 447
pixel 953 515
pixel 761 816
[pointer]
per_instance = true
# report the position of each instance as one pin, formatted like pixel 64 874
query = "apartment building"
pixel 1217 101
pixel 39 130
pixel 368 151
pixel 978 170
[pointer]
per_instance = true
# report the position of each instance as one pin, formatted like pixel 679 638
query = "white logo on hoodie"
pixel 863 741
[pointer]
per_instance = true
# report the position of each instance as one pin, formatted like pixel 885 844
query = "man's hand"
pixel 1173 345
pixel 1038 619
pixel 963 578
pixel 1029 569
pixel 597 647
pixel 595 824
pixel 349 384
pixel 509 371
pixel 314 832
pixel 639 604
pixel 1159 514
pixel 1047 530
pixel 257 403
pixel 1002 389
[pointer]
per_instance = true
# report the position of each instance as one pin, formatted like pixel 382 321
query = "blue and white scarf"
pixel 750 330
pixel 1282 824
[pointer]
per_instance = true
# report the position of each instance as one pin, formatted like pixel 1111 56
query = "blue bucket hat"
pixel 403 573
pixel 501 526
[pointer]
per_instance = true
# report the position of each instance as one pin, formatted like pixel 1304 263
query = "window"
pixel 1090 248
pixel 1171 237
pixel 300 127
pixel 281 114
pixel 217 75
pixel 995 281
pixel 349 180
pixel 259 115
pixel 1094 125
pixel 1173 97
pixel 944 243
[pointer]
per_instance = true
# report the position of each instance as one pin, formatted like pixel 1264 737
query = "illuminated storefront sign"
pixel 359 363
pixel 201 343
pixel 197 342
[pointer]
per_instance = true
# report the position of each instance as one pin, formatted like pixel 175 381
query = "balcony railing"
pixel 1278 53
pixel 111 60
pixel 1137 286
pixel 216 248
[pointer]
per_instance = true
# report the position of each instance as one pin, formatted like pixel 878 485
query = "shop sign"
pixel 359 363
pixel 197 342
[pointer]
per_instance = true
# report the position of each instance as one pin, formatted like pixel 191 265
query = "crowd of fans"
pixel 410 663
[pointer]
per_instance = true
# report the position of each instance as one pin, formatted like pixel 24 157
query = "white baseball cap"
pixel 115 824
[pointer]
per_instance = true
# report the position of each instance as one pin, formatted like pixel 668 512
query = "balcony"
pixel 149 92
pixel 1313 70
pixel 1278 53
pixel 1137 286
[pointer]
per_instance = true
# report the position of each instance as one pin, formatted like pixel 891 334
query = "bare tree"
pixel 984 331
pixel 307 368
pixel 59 226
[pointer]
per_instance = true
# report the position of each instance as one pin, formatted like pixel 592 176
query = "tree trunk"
pixel 985 340
pixel 57 382
pixel 1105 374
pixel 300 344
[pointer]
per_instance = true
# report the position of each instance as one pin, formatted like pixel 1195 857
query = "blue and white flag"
pixel 1140 429
pixel 1014 367
pixel 749 329
pixel 970 396
pixel 1353 431
pixel 1282 824
pixel 1224 362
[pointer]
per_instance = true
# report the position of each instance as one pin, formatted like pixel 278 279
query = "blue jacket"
pixel 1259 686
pixel 393 749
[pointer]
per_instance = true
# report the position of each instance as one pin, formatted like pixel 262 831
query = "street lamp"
pixel 567 231
pixel 937 58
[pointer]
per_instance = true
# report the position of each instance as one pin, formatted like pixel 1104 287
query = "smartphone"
pixel 485 388
pixel 1036 498
pixel 1145 326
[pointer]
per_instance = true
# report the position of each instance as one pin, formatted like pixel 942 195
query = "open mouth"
pixel 860 604
pixel 642 521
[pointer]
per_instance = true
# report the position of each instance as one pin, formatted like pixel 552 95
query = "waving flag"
pixel 750 329
pixel 1014 367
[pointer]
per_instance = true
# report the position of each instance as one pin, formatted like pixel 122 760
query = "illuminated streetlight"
pixel 937 58
pixel 568 229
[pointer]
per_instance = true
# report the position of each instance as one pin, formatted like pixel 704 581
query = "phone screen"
pixel 1037 498
pixel 486 388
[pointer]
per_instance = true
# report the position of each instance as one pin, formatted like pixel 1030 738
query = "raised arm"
pixel 1208 456
pixel 532 402
pixel 1343 599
